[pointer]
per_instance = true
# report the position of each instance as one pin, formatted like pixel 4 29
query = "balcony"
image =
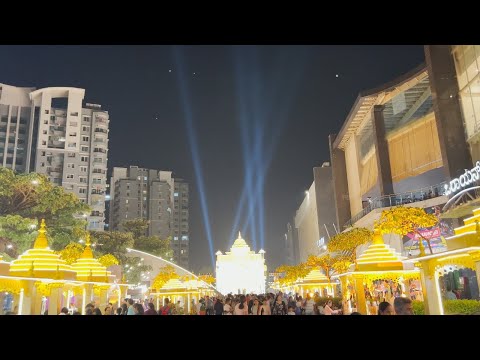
pixel 103 131
pixel 386 201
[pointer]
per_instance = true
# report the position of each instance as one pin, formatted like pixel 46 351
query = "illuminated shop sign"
pixel 469 177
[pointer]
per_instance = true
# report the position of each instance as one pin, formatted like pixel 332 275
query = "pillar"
pixel 189 304
pixel 54 301
pixel 431 290
pixel 456 156
pixel 158 302
pixel 385 183
pixel 103 299
pixel 477 268
pixel 37 303
pixel 21 301
pixel 360 292
pixel 406 285
pixel 340 183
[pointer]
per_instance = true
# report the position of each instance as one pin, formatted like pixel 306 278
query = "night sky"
pixel 295 89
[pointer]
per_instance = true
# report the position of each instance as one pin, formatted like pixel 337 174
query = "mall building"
pixel 403 142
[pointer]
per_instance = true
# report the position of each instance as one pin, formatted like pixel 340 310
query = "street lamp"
pixel 35 182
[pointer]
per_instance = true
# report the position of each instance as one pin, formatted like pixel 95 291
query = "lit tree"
pixel 345 244
pixel 324 262
pixel 71 253
pixel 403 220
pixel 167 273
pixel 209 279
pixel 108 260
pixel 292 273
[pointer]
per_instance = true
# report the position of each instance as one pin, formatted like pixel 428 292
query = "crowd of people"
pixel 251 304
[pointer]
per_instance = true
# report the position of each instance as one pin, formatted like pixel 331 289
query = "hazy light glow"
pixel 194 149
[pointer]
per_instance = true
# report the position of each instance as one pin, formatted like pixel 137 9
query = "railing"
pixel 422 194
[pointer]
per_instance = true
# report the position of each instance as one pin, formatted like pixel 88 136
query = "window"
pixel 84 159
pixel 42 164
pixel 73 123
pixel 52 117
pixel 86 118
pixel 175 238
pixel 182 251
pixel 185 237
pixel 145 178
pixel 72 145
pixel 74 113
pixel 44 142
pixel 84 148
pixel 82 179
pixel 44 132
pixel 45 122
pixel 126 201
pixel 83 169
pixel 97 181
pixel 86 128
pixel 43 153
pixel 70 176
pixel 97 160
pixel 71 166
pixel 144 191
pixel 71 155
pixel 73 134
pixel 144 198
pixel 82 190
pixel 138 178
pixel 46 111
pixel 175 194
pixel 85 138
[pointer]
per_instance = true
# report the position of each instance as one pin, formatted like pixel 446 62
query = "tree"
pixel 17 234
pixel 324 262
pixel 346 243
pixel 113 242
pixel 32 196
pixel 403 220
pixel 138 227
pixel 209 279
pixel 292 273
pixel 154 245
pixel 108 260
pixel 167 273
pixel 71 253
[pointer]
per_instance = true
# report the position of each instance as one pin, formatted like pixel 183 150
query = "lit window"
pixel 182 251
pixel 185 237
pixel 126 201
pixel 175 194
pixel 145 178
pixel 175 238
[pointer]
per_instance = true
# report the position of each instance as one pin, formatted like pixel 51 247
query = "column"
pixel 381 151
pixel 360 294
pixel 477 267
pixel 340 183
pixel 53 301
pixel 446 105
pixel 158 302
pixel 189 304
pixel 431 291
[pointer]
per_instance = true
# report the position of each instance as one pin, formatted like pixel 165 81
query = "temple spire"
pixel 87 253
pixel 41 241
pixel 239 235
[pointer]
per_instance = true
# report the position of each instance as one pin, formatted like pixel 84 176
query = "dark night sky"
pixel 134 84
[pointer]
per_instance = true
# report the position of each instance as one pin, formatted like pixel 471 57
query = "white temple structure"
pixel 241 270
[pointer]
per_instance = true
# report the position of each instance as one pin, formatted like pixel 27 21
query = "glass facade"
pixel 467 61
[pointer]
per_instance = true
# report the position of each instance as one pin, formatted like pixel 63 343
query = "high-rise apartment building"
pixel 138 193
pixel 68 143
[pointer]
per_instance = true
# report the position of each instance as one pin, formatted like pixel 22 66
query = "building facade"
pixel 153 195
pixel 15 131
pixel 291 245
pixel 68 144
pixel 400 144
pixel 241 270
pixel 315 220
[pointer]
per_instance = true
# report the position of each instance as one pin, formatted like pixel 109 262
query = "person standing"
pixel 403 306
pixel 150 310
pixel 218 307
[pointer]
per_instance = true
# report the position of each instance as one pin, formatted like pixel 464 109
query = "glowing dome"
pixel 315 276
pixel 380 256
pixel 240 242
pixel 89 269
pixel 41 261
